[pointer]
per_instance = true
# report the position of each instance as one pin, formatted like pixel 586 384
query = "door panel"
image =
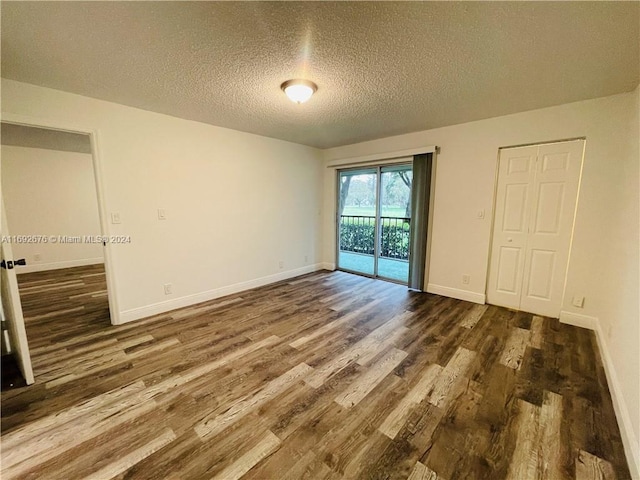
pixel 519 163
pixel 535 209
pixel 395 212
pixel 556 192
pixel 508 269
pixel 541 277
pixel 512 217
pixel 555 161
pixel 549 208
pixel 357 222
pixel 12 309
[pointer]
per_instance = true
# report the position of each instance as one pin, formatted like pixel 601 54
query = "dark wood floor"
pixel 330 376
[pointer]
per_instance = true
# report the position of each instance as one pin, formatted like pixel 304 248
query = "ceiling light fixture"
pixel 299 91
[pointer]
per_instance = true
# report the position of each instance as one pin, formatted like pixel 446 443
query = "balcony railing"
pixel 357 234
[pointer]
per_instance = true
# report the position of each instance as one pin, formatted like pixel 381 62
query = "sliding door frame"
pixel 377 235
pixel 378 223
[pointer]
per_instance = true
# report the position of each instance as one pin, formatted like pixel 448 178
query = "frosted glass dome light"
pixel 299 91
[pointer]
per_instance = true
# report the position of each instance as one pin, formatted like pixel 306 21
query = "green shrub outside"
pixel 359 238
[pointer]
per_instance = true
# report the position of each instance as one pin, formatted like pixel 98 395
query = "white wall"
pixel 619 315
pixel 604 259
pixel 51 193
pixel 236 204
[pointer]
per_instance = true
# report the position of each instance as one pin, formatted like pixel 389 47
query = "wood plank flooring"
pixel 326 376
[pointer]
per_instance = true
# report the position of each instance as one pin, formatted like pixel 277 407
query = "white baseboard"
pixel 629 440
pixel 579 320
pixel 328 266
pixel 456 293
pixel 43 267
pixel 188 300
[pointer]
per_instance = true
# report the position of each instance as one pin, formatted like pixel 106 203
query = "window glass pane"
pixel 395 213
pixel 357 220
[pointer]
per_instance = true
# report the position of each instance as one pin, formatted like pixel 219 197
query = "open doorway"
pixel 52 222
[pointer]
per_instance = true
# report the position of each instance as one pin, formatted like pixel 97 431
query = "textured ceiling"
pixel 33 137
pixel 382 68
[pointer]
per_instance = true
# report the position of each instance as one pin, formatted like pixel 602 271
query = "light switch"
pixel 115 218
pixel 480 214
pixel 162 215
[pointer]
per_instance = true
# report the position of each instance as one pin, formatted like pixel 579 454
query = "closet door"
pixel 536 202
pixel 516 171
pixel 555 194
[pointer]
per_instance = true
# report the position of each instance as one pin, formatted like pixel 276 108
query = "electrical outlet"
pixel 37 257
pixel 115 218
pixel 578 301
pixel 466 278
pixel 168 289
pixel 306 259
pixel 281 264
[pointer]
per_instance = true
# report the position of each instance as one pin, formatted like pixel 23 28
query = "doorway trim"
pixel 28 121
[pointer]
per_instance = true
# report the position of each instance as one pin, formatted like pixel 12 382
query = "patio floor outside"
pixel 387 267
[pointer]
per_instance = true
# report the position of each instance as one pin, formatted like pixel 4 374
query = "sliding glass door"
pixel 374 210
pixel 357 215
pixel 395 217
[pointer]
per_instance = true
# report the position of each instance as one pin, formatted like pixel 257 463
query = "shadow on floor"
pixel 11 376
